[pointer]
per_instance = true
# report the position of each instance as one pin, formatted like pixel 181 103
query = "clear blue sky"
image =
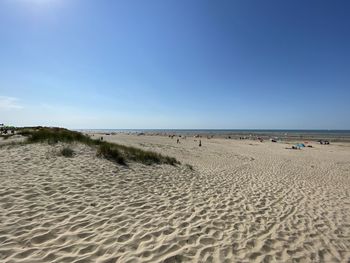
pixel 175 64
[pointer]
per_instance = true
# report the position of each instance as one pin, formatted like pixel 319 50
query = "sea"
pixel 343 135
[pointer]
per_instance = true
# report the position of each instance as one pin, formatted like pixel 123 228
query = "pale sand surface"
pixel 245 201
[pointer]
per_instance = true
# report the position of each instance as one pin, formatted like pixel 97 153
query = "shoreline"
pixel 256 135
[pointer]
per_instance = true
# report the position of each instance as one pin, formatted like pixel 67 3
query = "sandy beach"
pixel 234 201
pixel 174 131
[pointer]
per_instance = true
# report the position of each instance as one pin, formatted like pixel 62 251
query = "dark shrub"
pixel 67 152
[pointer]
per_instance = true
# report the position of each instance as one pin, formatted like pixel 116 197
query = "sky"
pixel 176 64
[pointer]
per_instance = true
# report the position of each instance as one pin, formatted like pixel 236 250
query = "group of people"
pixel 323 142
pixel 178 140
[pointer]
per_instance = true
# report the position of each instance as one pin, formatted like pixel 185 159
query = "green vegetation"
pixel 121 153
pixel 67 152
pixel 53 135
pixel 111 151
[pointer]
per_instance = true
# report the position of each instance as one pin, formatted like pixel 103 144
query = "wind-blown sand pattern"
pixel 244 202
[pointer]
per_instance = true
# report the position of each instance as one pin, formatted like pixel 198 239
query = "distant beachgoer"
pixel 178 141
pixel 101 138
pixel 200 143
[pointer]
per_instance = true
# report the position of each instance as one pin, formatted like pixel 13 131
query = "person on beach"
pixel 200 143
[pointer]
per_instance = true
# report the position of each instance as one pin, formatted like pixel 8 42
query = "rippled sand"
pixel 244 202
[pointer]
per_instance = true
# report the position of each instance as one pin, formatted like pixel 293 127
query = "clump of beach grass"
pixel 111 151
pixel 145 157
pixel 67 152
pixel 121 153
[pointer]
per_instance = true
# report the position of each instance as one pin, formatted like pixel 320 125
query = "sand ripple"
pixel 236 206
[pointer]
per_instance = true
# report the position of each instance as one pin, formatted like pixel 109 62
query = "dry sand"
pixel 245 201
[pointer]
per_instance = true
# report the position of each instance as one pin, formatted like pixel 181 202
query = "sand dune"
pixel 243 202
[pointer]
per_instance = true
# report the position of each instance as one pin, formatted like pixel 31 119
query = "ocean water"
pixel 252 132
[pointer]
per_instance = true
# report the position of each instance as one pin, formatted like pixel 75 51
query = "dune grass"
pixel 53 135
pixel 111 151
pixel 67 152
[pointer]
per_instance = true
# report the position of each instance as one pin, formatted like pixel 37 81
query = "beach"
pixel 230 200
